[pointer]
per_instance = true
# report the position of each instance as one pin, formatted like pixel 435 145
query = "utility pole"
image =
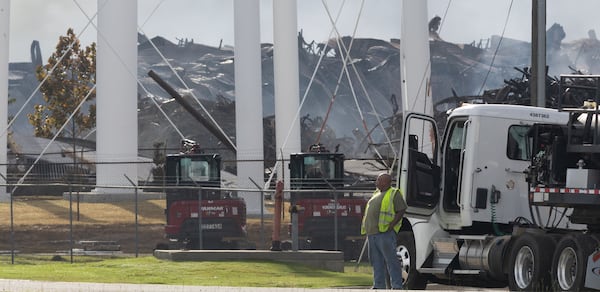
pixel 537 81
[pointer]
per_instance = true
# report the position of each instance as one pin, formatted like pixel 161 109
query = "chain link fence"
pixel 57 210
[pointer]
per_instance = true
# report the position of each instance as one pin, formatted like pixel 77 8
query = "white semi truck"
pixel 508 195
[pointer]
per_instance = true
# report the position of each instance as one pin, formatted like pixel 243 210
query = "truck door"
pixel 419 173
pixel 453 156
pixel 455 192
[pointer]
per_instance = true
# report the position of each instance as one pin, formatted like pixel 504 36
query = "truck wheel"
pixel 530 259
pixel 406 253
pixel 569 262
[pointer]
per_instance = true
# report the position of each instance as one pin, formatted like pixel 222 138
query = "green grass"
pixel 149 270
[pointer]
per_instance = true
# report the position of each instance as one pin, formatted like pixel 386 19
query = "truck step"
pixel 444 251
pixel 472 237
pixel 466 272
pixel 432 270
pixel 445 245
pixel 443 271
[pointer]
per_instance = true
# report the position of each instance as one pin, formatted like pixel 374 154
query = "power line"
pixel 497 47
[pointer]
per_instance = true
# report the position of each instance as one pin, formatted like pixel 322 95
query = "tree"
pixel 65 88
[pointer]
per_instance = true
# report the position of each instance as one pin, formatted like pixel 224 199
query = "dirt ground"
pixel 43 225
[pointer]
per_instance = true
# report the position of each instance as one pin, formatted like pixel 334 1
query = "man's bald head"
pixel 384 182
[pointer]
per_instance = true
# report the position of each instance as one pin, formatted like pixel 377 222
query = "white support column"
pixel 415 65
pixel 248 101
pixel 287 87
pixel 4 47
pixel 116 98
pixel 414 58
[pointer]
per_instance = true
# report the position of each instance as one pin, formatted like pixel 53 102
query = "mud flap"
pixel 592 273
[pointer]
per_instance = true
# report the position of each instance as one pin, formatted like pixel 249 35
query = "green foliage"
pixel 149 270
pixel 65 87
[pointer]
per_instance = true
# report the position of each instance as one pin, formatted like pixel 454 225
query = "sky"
pixel 210 22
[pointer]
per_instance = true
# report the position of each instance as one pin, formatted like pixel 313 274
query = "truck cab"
pixel 466 189
pixel 482 158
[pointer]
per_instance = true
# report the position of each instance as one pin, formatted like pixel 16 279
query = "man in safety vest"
pixel 381 223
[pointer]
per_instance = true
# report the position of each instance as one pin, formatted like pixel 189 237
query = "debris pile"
pixel 491 70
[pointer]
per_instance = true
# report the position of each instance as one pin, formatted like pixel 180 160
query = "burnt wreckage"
pixel 510 58
pixel 492 70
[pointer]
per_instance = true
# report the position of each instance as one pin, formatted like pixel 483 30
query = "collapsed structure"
pixel 460 72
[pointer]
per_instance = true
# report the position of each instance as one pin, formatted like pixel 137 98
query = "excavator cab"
pixel 316 169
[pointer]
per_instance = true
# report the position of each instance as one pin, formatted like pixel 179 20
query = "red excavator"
pixel 222 216
pixel 328 217
pixel 194 199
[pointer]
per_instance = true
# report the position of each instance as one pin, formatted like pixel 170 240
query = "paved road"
pixel 25 285
pixel 38 286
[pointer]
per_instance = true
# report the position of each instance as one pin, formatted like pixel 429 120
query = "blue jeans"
pixel 382 254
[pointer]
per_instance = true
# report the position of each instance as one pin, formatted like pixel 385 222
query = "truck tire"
pixel 530 259
pixel 406 253
pixel 570 261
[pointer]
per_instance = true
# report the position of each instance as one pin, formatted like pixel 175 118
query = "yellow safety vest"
pixel 386 213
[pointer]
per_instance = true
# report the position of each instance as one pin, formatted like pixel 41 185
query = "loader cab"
pixel 316 169
pixel 192 170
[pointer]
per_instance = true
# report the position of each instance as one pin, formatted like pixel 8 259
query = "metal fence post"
pixel 12 229
pixel 200 244
pixel 12 220
pixel 71 221
pixel 262 211
pixel 335 220
pixel 136 216
pixel 335 214
pixel 294 218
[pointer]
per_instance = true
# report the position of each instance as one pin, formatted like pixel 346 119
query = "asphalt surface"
pixel 45 286
pixel 25 285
